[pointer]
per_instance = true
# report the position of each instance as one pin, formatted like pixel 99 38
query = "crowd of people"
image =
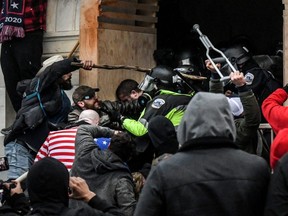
pixel 171 146
pixel 178 143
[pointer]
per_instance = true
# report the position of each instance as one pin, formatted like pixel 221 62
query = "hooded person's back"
pixel 209 175
pixel 48 183
pixel 208 116
pixel 163 137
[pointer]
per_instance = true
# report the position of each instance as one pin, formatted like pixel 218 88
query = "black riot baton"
pixel 209 46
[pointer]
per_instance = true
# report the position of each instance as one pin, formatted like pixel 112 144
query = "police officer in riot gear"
pixel 242 60
pixel 190 68
pixel 168 99
pixel 261 81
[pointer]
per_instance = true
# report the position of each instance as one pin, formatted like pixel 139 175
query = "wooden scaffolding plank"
pixel 125 16
pixel 127 28
pixel 109 5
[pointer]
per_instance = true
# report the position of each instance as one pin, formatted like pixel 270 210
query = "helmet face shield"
pixel 148 84
pixel 237 54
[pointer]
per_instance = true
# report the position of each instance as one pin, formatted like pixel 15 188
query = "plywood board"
pixel 123 48
pixel 112 47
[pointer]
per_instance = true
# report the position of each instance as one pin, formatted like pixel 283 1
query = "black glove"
pixel 215 75
pixel 243 88
pixel 115 116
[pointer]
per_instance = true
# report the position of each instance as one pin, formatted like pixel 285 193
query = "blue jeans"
pixel 19 159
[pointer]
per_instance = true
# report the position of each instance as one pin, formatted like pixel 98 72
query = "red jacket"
pixel 273 110
pixel 279 147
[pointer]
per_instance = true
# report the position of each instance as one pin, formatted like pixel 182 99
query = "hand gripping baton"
pixel 209 46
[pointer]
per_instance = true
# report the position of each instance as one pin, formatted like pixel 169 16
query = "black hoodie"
pixel 163 135
pixel 47 183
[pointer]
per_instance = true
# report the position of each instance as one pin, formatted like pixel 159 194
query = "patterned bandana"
pixel 11 19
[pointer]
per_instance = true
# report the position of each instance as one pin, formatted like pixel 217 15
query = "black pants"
pixel 20 60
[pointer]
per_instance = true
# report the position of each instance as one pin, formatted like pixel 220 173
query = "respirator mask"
pixel 148 86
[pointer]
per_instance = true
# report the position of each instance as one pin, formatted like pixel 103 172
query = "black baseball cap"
pixel 84 93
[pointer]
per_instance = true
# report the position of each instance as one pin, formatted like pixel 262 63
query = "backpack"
pixel 32 111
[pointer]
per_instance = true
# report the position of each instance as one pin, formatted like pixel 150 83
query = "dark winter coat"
pixel 277 197
pixel 32 115
pixel 209 175
pixel 47 183
pixel 105 173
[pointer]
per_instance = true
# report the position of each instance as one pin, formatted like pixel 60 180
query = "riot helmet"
pixel 188 57
pixel 160 77
pixel 191 77
pixel 184 58
pixel 237 54
pixel 189 62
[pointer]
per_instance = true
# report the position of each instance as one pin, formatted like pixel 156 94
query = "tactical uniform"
pixel 167 103
pixel 261 81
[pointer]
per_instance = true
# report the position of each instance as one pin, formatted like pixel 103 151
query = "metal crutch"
pixel 209 46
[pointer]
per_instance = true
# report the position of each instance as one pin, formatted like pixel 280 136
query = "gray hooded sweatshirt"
pixel 207 115
pixel 209 175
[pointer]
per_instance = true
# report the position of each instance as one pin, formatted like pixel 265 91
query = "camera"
pixel 5 191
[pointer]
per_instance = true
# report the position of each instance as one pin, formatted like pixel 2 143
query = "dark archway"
pixel 260 22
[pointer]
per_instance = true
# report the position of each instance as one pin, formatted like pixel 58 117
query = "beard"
pixel 66 84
